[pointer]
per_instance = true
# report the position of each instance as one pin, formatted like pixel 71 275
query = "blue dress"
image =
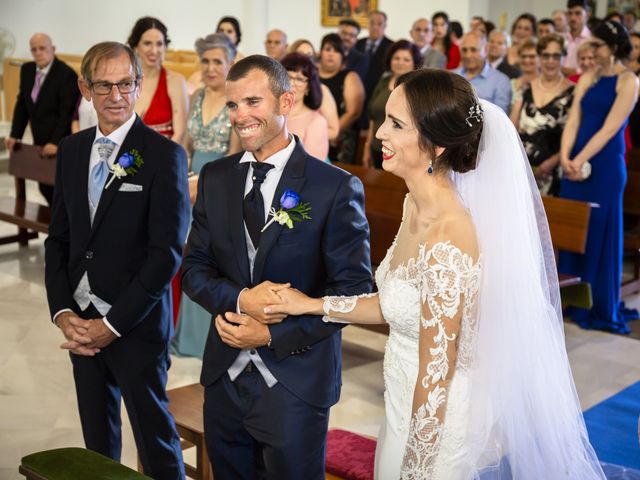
pixel 601 264
pixel 210 142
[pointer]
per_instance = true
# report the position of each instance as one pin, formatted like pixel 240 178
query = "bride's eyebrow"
pixel 396 119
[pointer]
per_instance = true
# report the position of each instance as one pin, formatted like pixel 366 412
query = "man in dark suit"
pixel 119 221
pixel 47 98
pixel 354 59
pixel 422 34
pixel 268 388
pixel 375 47
pixel 497 47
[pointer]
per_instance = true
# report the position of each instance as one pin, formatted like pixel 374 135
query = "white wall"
pixel 75 25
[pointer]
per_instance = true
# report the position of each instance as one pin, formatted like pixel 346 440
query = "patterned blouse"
pixel 212 137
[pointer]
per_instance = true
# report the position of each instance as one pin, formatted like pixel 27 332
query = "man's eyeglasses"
pixel 104 88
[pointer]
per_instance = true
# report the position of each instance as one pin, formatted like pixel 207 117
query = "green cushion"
pixel 578 295
pixel 77 463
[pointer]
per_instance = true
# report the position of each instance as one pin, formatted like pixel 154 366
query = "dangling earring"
pixel 430 169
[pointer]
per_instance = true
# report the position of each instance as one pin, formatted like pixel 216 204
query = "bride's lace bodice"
pixel 427 300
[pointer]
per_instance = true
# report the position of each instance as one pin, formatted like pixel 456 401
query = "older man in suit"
pixel 375 47
pixel 268 387
pixel 47 98
pixel 422 34
pixel 119 221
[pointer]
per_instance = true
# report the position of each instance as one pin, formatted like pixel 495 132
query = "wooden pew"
pixel 631 209
pixel 11 84
pixel 26 163
pixel 384 198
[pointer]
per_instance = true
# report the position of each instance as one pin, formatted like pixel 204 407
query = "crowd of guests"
pixel 541 73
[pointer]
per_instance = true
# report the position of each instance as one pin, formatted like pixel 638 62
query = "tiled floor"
pixel 37 402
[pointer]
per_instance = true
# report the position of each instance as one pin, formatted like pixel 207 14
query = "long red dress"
pixel 159 115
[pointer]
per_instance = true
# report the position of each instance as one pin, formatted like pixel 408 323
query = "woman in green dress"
pixel 210 137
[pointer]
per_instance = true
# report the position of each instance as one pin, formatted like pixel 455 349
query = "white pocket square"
pixel 130 187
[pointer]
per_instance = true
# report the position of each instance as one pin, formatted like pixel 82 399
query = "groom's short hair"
pixel 278 77
pixel 106 51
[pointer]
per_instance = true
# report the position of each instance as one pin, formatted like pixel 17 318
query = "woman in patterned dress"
pixel 477 380
pixel 541 114
pixel 210 137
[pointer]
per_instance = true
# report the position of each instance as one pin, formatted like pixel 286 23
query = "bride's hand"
pixel 294 302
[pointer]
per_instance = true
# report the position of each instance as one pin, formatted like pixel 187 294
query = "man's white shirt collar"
pixel 278 159
pixel 45 70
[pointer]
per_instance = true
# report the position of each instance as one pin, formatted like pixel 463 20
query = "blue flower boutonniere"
pixel 291 210
pixel 127 165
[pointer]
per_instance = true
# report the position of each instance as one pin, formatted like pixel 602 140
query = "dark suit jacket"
pixel 376 62
pixel 134 247
pixel 327 255
pixel 52 113
pixel 358 62
pixel 509 70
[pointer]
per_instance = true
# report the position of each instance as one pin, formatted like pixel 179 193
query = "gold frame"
pixel 332 11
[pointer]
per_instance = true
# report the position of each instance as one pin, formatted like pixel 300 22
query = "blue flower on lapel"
pixel 126 166
pixel 291 210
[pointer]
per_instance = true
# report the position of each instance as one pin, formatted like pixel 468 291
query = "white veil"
pixel 525 417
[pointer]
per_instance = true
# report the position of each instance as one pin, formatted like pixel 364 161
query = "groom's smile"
pixel 257 116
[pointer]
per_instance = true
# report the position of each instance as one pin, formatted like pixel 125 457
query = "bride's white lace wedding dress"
pixel 427 299
pixel 477 379
pixel 428 302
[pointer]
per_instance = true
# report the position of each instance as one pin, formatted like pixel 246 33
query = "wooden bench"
pixel 26 163
pixel 185 404
pixel 384 197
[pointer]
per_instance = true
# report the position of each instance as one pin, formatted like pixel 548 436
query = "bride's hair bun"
pixel 446 112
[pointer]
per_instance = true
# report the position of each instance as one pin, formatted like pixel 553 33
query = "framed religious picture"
pixel 332 11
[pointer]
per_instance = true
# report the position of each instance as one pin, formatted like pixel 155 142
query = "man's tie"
pixel 369 50
pixel 253 204
pixel 100 170
pixel 35 91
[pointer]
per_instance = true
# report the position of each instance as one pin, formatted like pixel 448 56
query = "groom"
pixel 269 386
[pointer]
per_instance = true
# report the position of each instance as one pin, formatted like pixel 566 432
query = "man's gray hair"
pixel 105 51
pixel 507 37
pixel 216 40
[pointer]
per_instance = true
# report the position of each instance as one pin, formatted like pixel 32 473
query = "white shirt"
pixel 268 189
pixel 83 294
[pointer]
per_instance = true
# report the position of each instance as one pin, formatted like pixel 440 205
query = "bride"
pixel 477 380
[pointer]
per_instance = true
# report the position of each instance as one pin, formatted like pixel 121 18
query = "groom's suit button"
pixel 88 255
pixel 252 352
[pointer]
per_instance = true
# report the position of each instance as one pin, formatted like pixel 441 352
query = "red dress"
pixel 453 57
pixel 159 115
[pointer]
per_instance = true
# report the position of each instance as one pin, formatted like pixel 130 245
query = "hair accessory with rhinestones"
pixel 475 113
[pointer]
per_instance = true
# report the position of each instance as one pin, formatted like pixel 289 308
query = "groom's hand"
pixel 242 331
pixel 254 300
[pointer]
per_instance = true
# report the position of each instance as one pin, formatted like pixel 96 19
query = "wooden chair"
pixel 631 209
pixel 26 163
pixel 569 227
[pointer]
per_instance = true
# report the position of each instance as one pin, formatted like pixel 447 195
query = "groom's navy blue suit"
pixel 327 255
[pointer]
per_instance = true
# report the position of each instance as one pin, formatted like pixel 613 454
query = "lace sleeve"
pixel 354 309
pixel 444 286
